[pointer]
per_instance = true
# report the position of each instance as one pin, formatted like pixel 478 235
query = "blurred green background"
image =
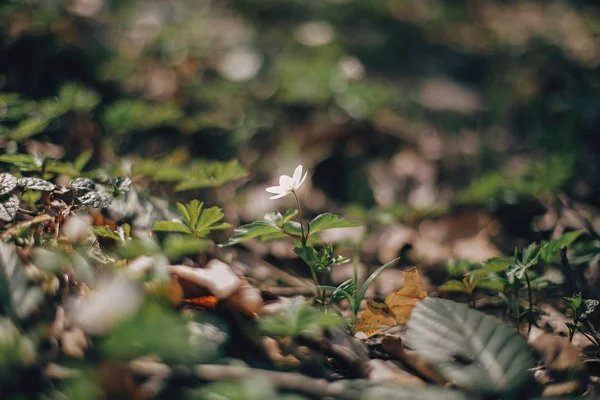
pixel 404 105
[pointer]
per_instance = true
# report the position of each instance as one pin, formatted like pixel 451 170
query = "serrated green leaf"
pixel 274 217
pixel 454 286
pixel 293 228
pixel 16 297
pixel 194 209
pixel 329 221
pixel 249 231
pixel 185 215
pixel 208 221
pixel 494 358
pixel 171 226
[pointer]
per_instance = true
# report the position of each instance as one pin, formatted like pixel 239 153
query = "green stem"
pixel 530 296
pixel 516 305
pixel 304 236
pixel 320 294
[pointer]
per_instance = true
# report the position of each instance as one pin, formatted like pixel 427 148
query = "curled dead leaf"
pixel 397 306
pixel 217 277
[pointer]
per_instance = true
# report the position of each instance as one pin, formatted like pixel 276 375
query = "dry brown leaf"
pixel 217 277
pixel 404 300
pixel 247 299
pixel 373 318
pixel 397 306
pixel 394 346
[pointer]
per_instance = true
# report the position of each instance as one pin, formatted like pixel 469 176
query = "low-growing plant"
pixel 508 276
pixel 306 242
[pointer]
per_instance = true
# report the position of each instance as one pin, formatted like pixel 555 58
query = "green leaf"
pixel 212 174
pixel 82 160
pixel 298 318
pixel 176 246
pixel 208 221
pixel 170 226
pixel 184 214
pixel 329 221
pixel 249 231
pixel 274 218
pixel 454 286
pixel 194 209
pixel 159 330
pixel 24 161
pixel 469 348
pixel 371 279
pixel 293 228
pixel 16 351
pixel 493 265
pixel 105 232
pixel 551 250
pixel 289 214
pixel 16 297
pixel 138 247
pixel 309 255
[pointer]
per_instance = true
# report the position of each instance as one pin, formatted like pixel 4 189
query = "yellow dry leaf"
pixel 397 306
pixel 404 300
pixel 373 318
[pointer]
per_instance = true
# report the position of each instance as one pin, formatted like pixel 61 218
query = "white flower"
pixel 287 184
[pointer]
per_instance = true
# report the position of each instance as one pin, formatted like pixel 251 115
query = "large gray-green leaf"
pixel 9 205
pixel 16 297
pixel 468 347
pixel 7 183
pixel 33 183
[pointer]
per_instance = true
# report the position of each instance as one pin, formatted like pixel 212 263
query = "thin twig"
pixel 25 224
pixel 281 380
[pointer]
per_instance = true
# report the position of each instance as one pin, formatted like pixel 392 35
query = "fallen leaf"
pixel 404 300
pixel 394 346
pixel 397 306
pixel 217 277
pixel 202 302
pixel 247 299
pixel 373 318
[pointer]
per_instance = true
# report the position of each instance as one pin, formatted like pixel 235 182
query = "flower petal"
pixel 278 196
pixel 274 189
pixel 297 175
pixel 286 182
pixel 302 180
